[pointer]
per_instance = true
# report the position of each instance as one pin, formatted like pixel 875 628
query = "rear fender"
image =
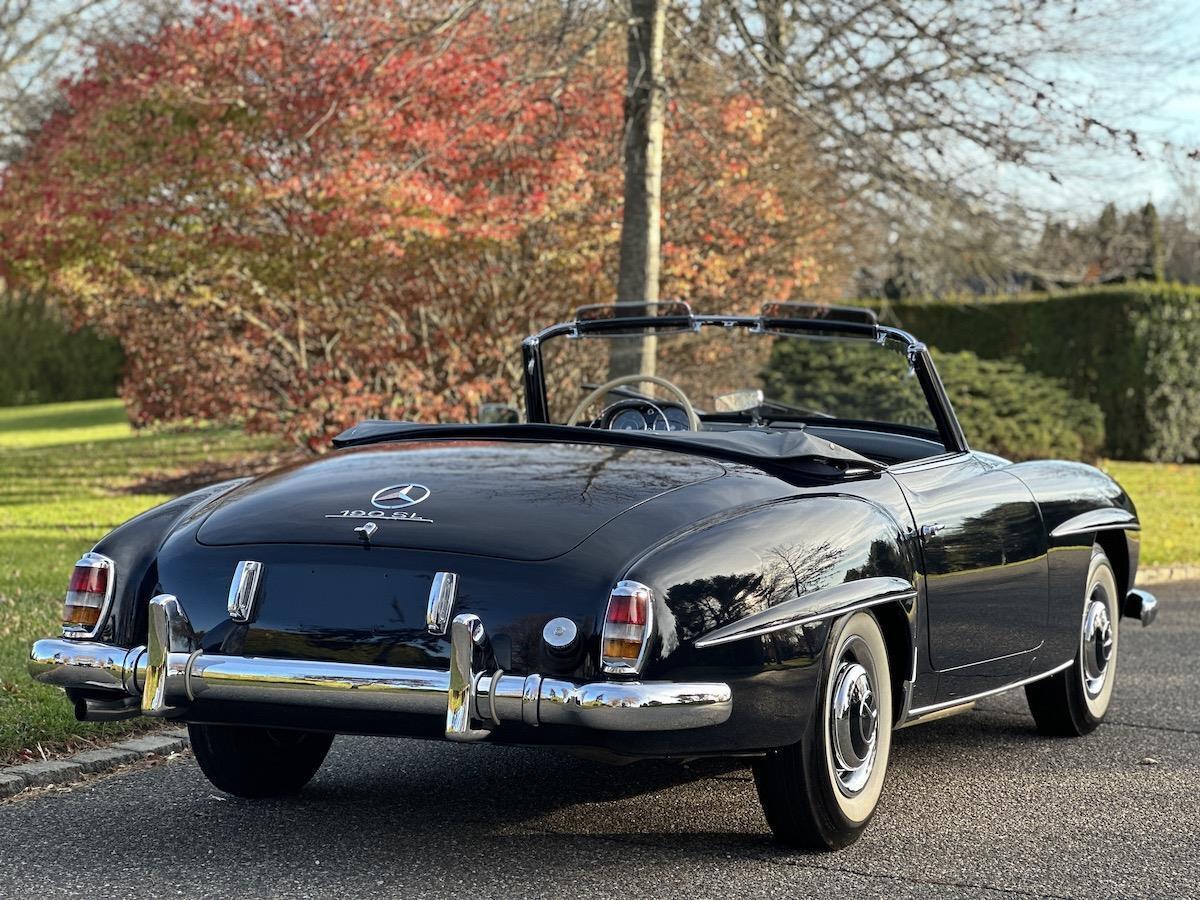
pixel 755 596
pixel 133 547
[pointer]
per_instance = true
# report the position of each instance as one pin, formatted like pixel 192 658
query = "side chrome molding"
pixel 813 607
pixel 442 594
pixel 1097 520
pixel 946 706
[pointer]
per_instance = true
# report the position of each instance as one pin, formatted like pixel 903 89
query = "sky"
pixel 1163 107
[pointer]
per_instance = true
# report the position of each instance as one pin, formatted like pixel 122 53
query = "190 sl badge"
pixel 378 515
pixel 390 503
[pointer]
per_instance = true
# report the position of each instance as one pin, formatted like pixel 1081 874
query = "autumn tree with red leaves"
pixel 300 216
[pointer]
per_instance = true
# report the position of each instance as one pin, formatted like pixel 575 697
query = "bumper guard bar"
pixel 170 673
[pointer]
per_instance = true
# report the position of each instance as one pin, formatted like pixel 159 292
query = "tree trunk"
pixel 645 101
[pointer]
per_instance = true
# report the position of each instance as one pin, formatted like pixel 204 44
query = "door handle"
pixel 931 529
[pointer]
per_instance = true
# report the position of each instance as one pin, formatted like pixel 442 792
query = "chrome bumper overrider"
pixel 168 674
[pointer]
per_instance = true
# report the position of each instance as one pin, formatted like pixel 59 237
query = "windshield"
pixel 735 376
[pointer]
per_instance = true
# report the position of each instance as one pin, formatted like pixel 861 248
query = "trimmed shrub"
pixel 43 361
pixel 1003 408
pixel 1008 410
pixel 851 380
pixel 1134 350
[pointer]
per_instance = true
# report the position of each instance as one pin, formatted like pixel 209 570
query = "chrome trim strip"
pixel 442 594
pixel 993 659
pixel 94 560
pixel 813 607
pixel 243 590
pixel 928 462
pixel 1097 520
pixel 921 711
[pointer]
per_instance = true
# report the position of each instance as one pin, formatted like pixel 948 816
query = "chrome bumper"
pixel 1142 605
pixel 168 674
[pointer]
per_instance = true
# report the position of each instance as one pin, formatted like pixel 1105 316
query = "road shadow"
pixel 480 795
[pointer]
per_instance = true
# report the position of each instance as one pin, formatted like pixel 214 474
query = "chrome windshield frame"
pixel 537 408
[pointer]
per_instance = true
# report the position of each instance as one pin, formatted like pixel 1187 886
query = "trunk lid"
pixel 514 500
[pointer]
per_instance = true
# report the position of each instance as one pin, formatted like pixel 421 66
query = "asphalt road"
pixel 978 805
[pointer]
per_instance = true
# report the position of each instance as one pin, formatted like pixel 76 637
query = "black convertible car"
pixel 756 536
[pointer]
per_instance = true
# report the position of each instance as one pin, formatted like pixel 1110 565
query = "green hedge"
pixel 42 361
pixel 1008 410
pixel 1134 350
pixel 1003 408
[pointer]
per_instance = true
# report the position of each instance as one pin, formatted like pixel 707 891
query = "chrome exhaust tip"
pixel 89 710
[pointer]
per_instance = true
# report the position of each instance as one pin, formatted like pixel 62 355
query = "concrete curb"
pixel 53 772
pixel 1167 574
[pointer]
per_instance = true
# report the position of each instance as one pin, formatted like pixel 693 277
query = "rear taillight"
pixel 627 628
pixel 88 595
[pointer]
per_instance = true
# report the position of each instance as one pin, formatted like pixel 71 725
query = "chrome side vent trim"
pixel 243 590
pixel 824 603
pixel 442 594
pixel 1097 520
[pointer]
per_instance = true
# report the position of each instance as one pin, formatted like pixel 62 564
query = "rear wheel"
pixel 258 762
pixel 820 793
pixel 1074 701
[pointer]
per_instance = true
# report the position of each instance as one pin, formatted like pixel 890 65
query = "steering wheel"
pixel 693 419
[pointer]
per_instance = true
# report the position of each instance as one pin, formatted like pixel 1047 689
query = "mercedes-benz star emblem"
pixel 399 496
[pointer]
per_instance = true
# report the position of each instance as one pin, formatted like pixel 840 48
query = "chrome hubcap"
pixel 1097 643
pixel 853 721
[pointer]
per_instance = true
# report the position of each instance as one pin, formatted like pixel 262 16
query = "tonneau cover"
pixel 762 447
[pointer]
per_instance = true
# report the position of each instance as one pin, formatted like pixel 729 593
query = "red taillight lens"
pixel 89 580
pixel 627 609
pixel 87 596
pixel 626 627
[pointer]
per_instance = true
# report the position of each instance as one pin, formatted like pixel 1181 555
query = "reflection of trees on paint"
pixel 1007 533
pixel 788 570
pixel 564 474
pixel 884 558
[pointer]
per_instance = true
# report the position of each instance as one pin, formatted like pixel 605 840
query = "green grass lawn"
pixel 65 470
pixel 1167 496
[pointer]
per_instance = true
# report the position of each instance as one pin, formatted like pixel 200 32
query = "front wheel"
pixel 1074 701
pixel 820 793
pixel 258 762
